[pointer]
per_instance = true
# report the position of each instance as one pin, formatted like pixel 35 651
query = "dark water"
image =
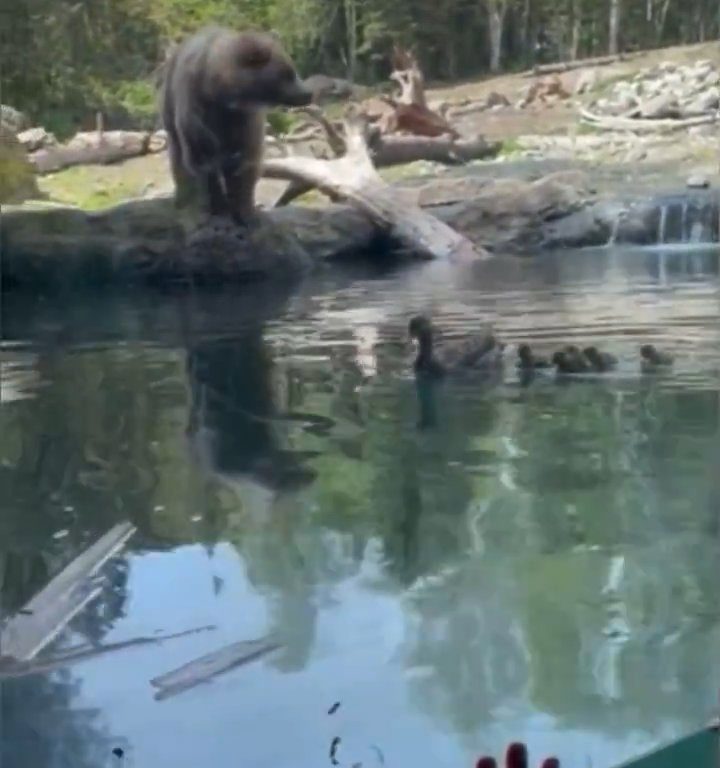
pixel 536 562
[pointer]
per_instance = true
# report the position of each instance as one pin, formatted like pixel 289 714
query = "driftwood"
pixel 387 151
pixel 408 75
pixel 353 177
pixel 10 667
pixel 95 147
pixel 212 664
pixel 46 615
pixel 417 120
pixel 610 123
pixel 566 66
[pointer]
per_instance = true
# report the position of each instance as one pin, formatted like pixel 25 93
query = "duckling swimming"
pixel 567 361
pixel 575 359
pixel 527 360
pixel 483 351
pixel 599 361
pixel 653 360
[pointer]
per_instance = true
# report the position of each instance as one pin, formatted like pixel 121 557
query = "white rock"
pixel 706 102
pixel 698 181
pixel 659 107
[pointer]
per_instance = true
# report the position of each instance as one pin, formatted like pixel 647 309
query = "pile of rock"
pixel 667 91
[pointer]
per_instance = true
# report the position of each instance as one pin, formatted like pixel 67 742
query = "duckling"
pixel 652 359
pixel 578 358
pixel 599 361
pixel 527 360
pixel 568 362
pixel 481 352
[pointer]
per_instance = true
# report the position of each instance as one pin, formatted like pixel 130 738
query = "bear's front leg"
pixel 240 182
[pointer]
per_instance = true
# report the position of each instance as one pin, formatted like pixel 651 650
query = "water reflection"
pixel 458 564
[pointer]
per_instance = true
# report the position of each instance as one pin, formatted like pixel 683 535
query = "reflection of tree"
pixel 78 457
pixel 606 610
pixel 42 727
pixel 466 635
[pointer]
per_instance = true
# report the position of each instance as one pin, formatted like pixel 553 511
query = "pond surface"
pixel 457 567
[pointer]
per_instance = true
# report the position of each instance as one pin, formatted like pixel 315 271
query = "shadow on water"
pixel 458 564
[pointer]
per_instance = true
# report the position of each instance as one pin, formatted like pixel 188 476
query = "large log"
pixel 565 66
pixel 50 610
pixel 94 147
pixel 398 150
pixel 353 177
pixel 386 151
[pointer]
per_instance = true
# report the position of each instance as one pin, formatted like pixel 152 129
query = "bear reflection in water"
pixel 235 428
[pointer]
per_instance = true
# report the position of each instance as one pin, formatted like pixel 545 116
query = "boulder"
pixel 660 107
pixel 707 101
pixel 698 181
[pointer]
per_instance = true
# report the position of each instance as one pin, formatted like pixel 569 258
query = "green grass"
pixel 586 129
pixel 509 147
pixel 92 187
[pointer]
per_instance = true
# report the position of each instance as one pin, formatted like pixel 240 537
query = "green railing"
pixel 698 750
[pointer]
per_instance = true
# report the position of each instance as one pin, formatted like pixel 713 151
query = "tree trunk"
pixel 614 26
pixel 496 19
pixel 526 31
pixel 660 21
pixel 351 25
pixel 576 29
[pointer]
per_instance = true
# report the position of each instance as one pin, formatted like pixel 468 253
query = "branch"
pixel 609 123
pixel 353 177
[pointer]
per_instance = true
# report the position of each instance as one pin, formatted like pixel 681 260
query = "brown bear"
pixel 217 86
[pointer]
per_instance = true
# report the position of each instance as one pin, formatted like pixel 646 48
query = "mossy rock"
pixel 17 175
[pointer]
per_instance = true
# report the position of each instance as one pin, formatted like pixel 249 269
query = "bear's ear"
pixel 255 52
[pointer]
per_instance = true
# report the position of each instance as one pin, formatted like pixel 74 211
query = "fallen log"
pixel 610 123
pixel 211 665
pixel 387 151
pixel 566 66
pixel 92 148
pixel 353 177
pixel 50 610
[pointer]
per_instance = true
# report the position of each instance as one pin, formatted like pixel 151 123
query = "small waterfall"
pixel 688 220
pixel 684 223
pixel 697 230
pixel 691 219
pixel 615 230
pixel 662 224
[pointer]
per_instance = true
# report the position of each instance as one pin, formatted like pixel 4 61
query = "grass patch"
pixel 92 187
pixel 509 147
pixel 586 129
